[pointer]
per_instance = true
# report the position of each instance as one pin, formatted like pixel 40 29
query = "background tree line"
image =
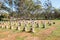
pixel 28 9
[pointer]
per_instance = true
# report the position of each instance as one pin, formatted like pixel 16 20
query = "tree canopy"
pixel 28 9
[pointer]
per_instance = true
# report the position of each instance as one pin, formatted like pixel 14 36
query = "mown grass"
pixel 55 35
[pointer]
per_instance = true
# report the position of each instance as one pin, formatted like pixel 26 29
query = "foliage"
pixel 28 9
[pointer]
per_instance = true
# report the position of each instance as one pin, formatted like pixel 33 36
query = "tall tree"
pixel 48 8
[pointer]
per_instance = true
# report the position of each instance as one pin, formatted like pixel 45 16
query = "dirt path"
pixel 48 31
pixel 13 36
pixel 42 34
pixel 39 36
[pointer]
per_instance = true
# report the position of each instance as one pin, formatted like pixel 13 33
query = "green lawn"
pixel 55 35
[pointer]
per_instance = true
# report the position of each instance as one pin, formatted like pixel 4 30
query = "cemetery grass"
pixel 55 35
pixel 19 35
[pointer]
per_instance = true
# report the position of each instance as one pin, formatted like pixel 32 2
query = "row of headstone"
pixel 17 28
pixel 32 24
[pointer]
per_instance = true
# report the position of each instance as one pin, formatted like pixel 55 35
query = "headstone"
pixel 18 28
pixel 19 23
pixel 31 29
pixel 25 26
pixel 23 29
pixel 11 27
pixel 49 23
pixel 37 25
pixel 43 24
pixel 2 26
pixel 7 26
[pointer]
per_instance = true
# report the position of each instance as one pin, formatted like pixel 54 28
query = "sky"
pixel 55 3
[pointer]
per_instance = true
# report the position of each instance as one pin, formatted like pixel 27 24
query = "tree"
pixel 48 9
pixel 22 8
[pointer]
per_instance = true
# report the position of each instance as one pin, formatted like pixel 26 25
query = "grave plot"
pixel 25 25
pixel 26 29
